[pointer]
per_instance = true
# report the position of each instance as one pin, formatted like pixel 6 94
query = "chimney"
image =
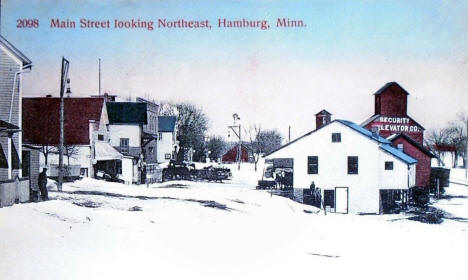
pixel 322 118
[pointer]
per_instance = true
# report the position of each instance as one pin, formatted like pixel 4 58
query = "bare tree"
pixel 458 137
pixel 45 131
pixel 454 135
pixel 46 150
pixel 70 151
pixel 436 138
pixel 262 141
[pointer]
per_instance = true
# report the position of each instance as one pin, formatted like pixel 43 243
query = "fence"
pixel 14 191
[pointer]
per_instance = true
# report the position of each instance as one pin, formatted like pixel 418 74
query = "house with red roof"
pixel 86 133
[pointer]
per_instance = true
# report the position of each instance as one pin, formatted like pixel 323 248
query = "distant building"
pixel 231 155
pixel 18 165
pixel 446 156
pixel 167 138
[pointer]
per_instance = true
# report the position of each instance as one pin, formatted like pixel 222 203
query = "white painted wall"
pixel 132 132
pixel 165 146
pixel 333 166
pixel 127 170
pixel 82 158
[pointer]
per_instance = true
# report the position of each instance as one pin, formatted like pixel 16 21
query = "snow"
pixel 177 235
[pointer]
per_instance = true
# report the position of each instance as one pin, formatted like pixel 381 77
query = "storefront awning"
pixel 104 151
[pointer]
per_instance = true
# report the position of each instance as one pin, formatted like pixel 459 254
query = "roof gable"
pixel 365 132
pixel 383 143
pixel 323 112
pixel 127 113
pixel 166 123
pixel 14 51
pixel 394 137
pixel 387 86
pixel 398 154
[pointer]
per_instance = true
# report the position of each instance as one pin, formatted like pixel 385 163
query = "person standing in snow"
pixel 43 184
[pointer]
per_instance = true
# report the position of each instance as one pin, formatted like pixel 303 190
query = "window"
pixel 389 165
pixel 353 165
pixel 312 165
pixel 100 137
pixel 400 147
pixel 168 156
pixel 336 137
pixel 124 145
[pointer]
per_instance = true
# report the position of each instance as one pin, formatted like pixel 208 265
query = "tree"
pixel 453 134
pixel 192 124
pixel 70 151
pixel 437 137
pixel 216 147
pixel 457 137
pixel 262 141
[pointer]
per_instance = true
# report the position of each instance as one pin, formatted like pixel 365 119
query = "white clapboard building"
pixel 352 166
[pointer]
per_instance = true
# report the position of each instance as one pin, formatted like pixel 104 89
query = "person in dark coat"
pixel 43 184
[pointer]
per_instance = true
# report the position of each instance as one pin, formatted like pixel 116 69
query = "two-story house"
pixel 356 170
pixel 132 132
pixel 86 127
pixel 167 138
pixel 14 185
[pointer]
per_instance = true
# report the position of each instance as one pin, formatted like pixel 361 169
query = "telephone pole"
pixel 99 77
pixel 235 127
pixel 63 81
pixel 466 150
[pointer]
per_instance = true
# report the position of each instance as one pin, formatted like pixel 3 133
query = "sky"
pixel 275 78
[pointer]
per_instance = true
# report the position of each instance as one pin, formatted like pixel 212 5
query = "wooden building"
pixel 231 155
pixel 14 185
pixel 354 169
pixel 86 133
pixel 133 132
pixel 391 119
pixel 167 138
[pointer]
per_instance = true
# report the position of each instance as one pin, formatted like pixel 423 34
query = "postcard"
pixel 235 139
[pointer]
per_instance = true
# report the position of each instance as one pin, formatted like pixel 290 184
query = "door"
pixel 341 200
pixel 26 165
pixel 329 200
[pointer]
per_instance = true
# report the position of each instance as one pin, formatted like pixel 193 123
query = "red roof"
pixel 231 155
pixel 41 119
pixel 444 148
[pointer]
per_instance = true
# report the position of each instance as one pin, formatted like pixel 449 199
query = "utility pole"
pixel 466 150
pixel 63 80
pixel 99 77
pixel 234 127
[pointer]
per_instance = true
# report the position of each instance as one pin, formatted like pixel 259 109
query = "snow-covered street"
pixel 200 230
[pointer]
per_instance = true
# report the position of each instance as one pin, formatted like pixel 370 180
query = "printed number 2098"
pixel 27 23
